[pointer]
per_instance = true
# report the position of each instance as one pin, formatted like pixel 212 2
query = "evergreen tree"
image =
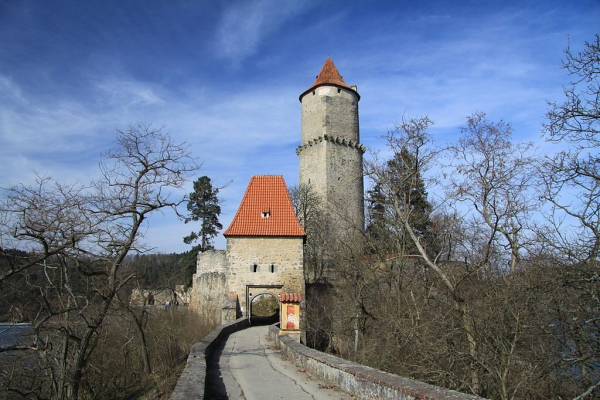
pixel 376 215
pixel 204 206
pixel 409 188
pixel 405 189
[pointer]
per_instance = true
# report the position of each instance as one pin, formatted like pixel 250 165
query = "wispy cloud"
pixel 127 92
pixel 244 25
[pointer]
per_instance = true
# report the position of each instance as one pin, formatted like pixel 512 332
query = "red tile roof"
pixel 329 75
pixel 266 210
pixel 290 297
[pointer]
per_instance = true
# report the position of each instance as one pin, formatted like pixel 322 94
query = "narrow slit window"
pixel 254 268
pixel 272 268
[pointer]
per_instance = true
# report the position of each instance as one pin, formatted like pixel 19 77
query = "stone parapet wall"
pixel 192 382
pixel 359 380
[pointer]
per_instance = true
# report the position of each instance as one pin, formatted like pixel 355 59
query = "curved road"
pixel 248 367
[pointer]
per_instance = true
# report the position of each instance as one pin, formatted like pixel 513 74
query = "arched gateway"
pixel 264 254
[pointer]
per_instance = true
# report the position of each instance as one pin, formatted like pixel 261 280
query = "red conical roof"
pixel 265 210
pixel 329 75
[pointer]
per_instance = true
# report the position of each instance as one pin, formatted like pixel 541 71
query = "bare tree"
pixel 572 176
pixel 453 254
pixel 314 220
pixel 413 135
pixel 496 179
pixel 571 179
pixel 81 235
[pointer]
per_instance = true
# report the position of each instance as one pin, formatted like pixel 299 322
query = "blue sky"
pixel 225 76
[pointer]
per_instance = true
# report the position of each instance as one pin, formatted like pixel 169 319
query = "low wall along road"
pixel 356 380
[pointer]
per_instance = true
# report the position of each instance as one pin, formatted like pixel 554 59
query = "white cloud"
pixel 235 136
pixel 245 24
pixel 126 92
pixel 10 91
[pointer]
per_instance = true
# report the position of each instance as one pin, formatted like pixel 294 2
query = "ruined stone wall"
pixel 211 261
pixel 209 286
pixel 278 261
pixel 160 297
pixel 208 292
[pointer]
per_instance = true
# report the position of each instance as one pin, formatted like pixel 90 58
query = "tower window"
pixel 254 268
pixel 272 268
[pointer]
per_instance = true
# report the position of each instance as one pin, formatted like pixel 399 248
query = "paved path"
pixel 249 367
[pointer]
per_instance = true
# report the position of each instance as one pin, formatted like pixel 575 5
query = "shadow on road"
pixel 214 388
pixel 260 321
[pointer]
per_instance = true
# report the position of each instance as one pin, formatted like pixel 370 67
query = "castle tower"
pixel 331 156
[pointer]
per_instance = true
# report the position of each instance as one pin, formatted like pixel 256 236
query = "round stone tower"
pixel 331 156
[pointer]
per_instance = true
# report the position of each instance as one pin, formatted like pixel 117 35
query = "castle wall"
pixel 154 297
pixel 284 253
pixel 209 291
pixel 211 261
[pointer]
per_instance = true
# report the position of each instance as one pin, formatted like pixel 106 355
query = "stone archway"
pixel 263 303
pixel 264 308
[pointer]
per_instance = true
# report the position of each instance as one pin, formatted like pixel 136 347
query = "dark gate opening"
pixel 264 309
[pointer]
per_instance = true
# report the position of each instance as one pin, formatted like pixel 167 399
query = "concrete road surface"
pixel 249 367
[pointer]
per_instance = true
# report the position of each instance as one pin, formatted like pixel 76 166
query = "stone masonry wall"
pixel 208 292
pixel 331 155
pixel 212 261
pixel 284 253
pixel 313 168
pixel 360 381
pixel 191 384
pixel 345 185
pixel 334 171
pixel 329 110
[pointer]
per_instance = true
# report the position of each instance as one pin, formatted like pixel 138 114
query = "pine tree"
pixel 204 206
pixel 376 214
pixel 409 188
pixel 405 189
